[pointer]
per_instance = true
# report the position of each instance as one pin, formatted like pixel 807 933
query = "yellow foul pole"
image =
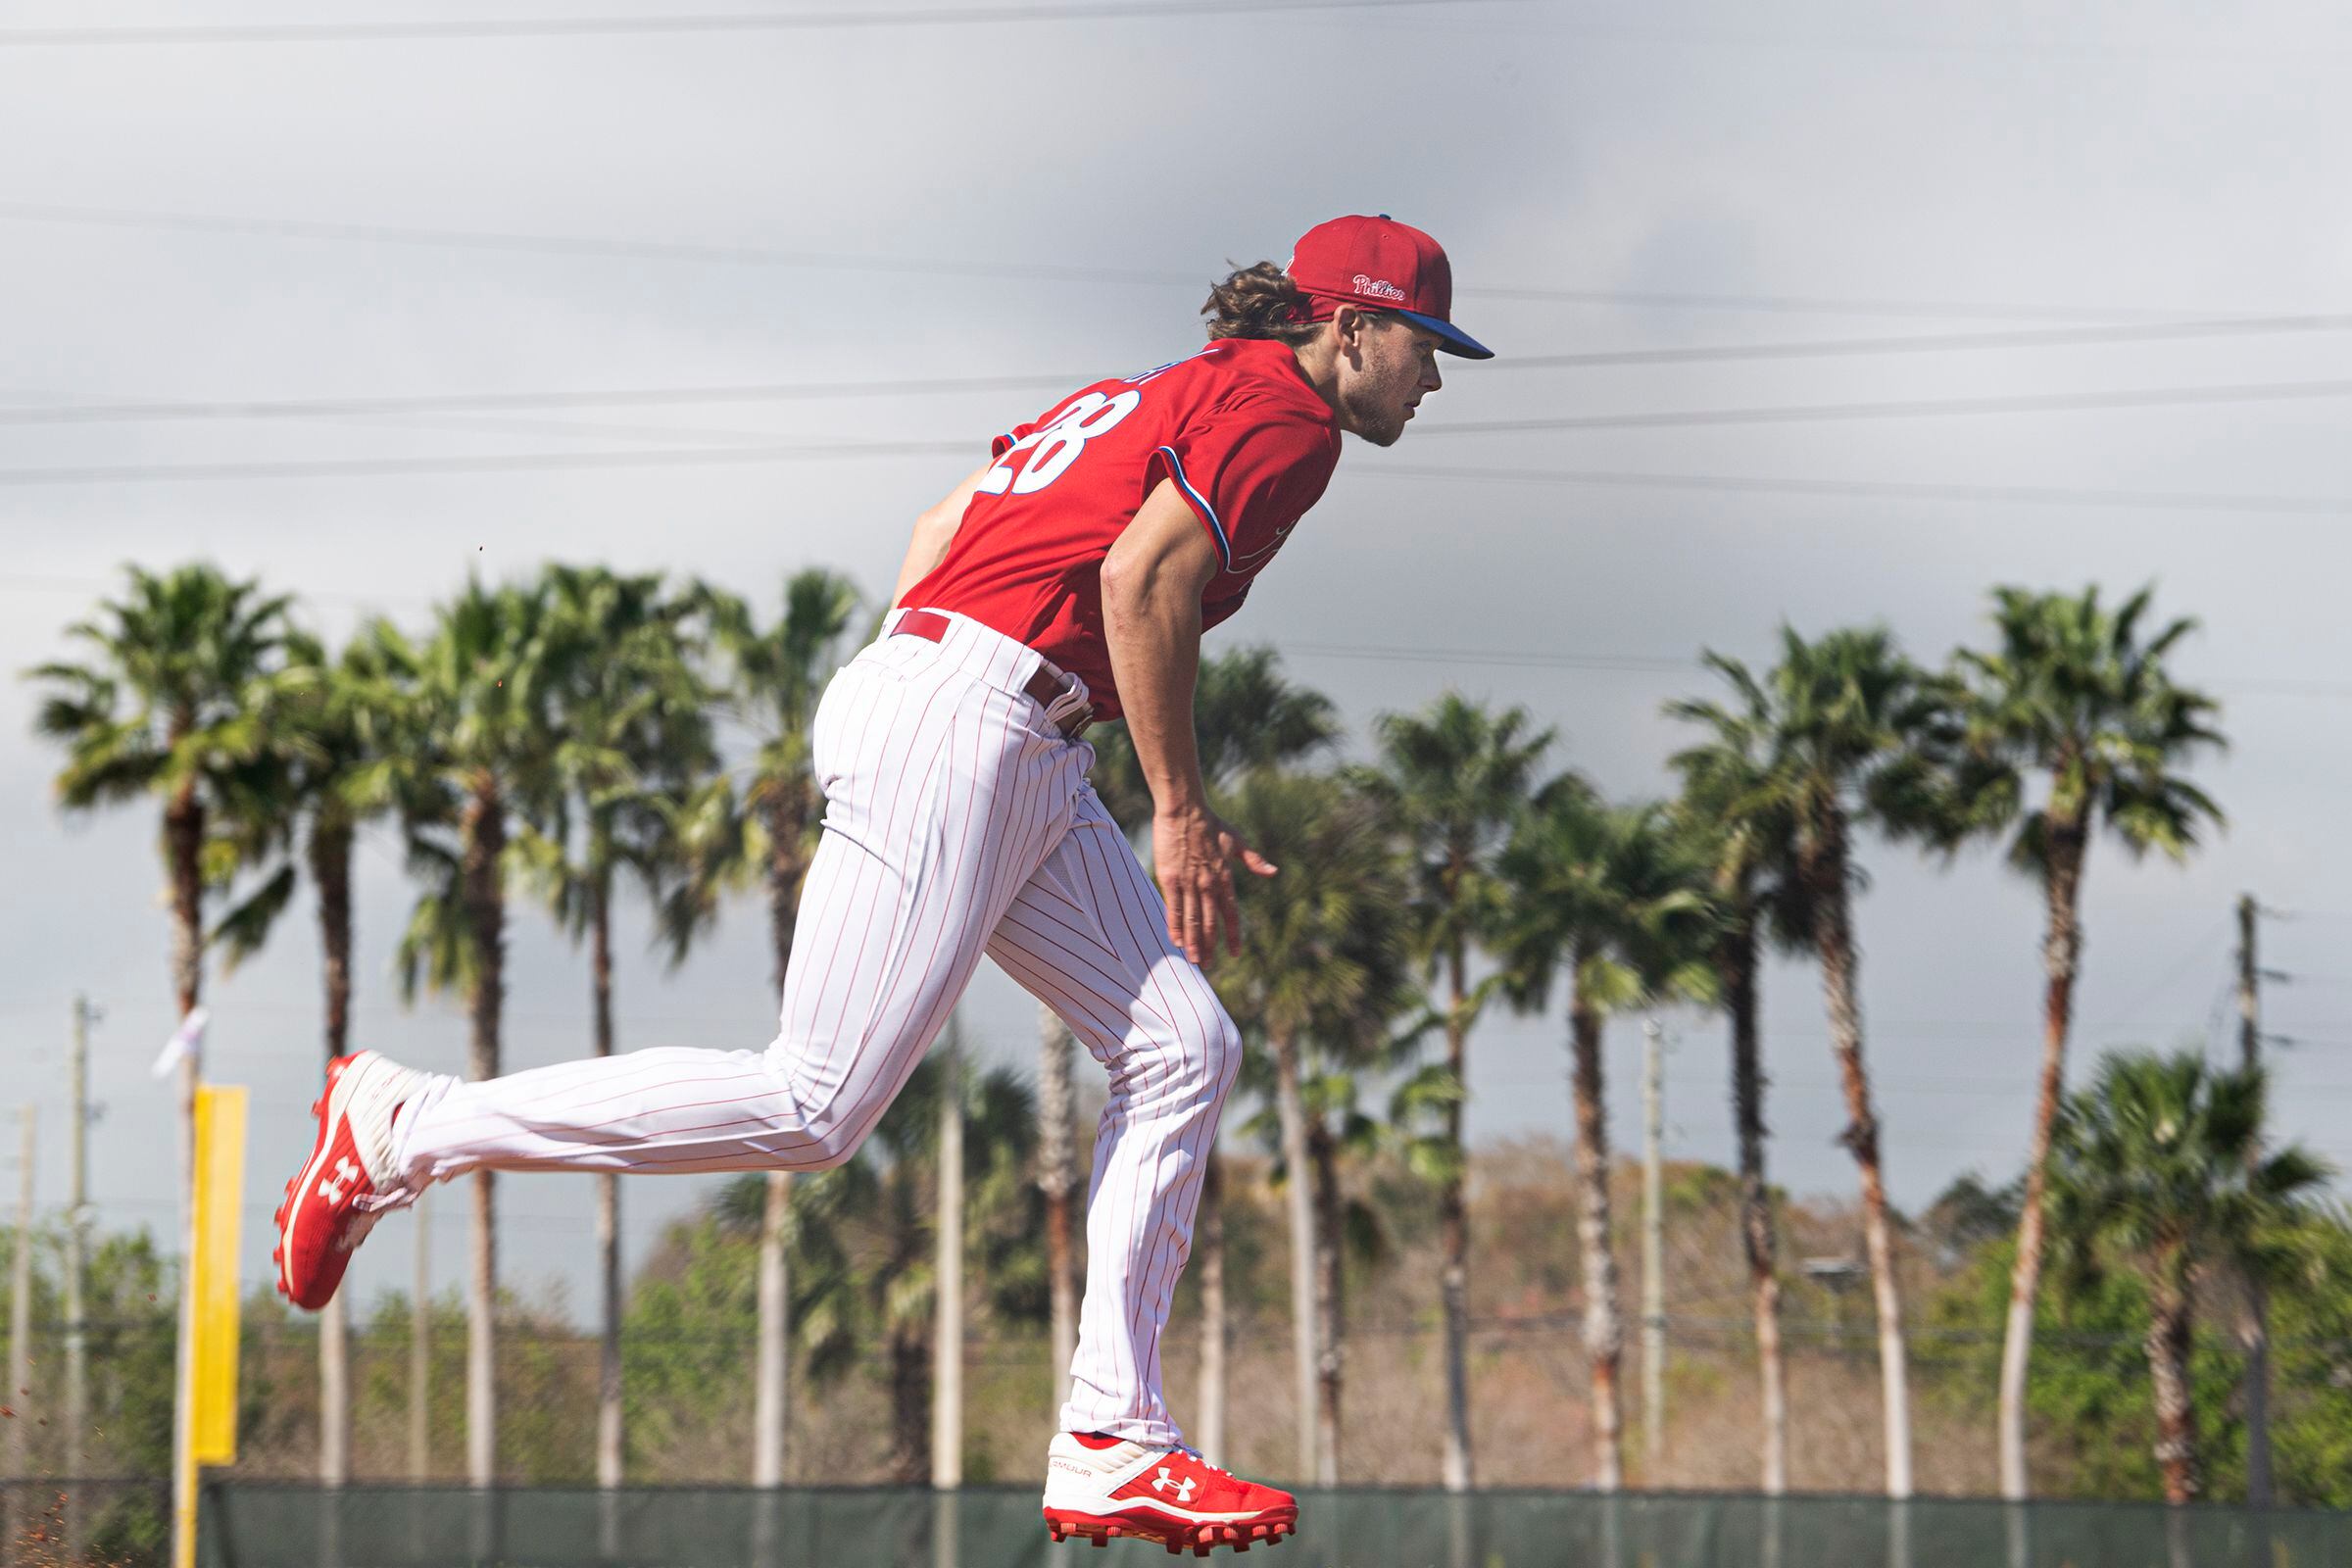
pixel 204 1415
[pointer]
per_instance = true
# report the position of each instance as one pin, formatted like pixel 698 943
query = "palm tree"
pixel 868 1248
pixel 1246 714
pixel 1599 893
pixel 1837 728
pixel 480 745
pixel 187 672
pixel 637 737
pixel 2074 693
pixel 328 742
pixel 1319 978
pixel 2158 1166
pixel 1732 828
pixel 778 675
pixel 1058 1181
pixel 1453 780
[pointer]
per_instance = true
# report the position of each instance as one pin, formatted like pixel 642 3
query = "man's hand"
pixel 1191 851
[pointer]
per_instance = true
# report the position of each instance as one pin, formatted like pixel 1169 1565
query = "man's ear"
pixel 1351 324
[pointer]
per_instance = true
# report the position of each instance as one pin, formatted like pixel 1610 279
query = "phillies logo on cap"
pixel 1357 259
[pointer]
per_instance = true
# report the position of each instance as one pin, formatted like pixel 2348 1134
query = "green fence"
pixel 275 1525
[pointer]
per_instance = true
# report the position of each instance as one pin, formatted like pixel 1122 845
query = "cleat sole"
pixel 1200 1539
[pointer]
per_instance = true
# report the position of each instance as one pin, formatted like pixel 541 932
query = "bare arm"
pixel 934 531
pixel 1151 582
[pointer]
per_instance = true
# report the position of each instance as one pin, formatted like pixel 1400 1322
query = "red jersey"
pixel 1248 441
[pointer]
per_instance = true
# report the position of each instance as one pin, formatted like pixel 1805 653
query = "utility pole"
pixel 947 1353
pixel 78 1197
pixel 2249 984
pixel 773 1369
pixel 19 1315
pixel 2254 1331
pixel 421 1345
pixel 1653 1251
pixel 19 1359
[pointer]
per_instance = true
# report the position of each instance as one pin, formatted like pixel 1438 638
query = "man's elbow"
pixel 1126 582
pixel 938 521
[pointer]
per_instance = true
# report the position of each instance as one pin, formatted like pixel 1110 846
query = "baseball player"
pixel 1067 579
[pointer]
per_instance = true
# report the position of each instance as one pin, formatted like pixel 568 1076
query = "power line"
pixel 1638 664
pixel 1549 661
pixel 2168 977
pixel 1676 38
pixel 1732 484
pixel 570 245
pixel 2020 1090
pixel 1890 490
pixel 754 448
pixel 1618 663
pixel 303 408
pixel 768 256
pixel 712 23
pixel 2156 397
pixel 1934 342
pixel 500 463
pixel 336 406
pixel 1914 408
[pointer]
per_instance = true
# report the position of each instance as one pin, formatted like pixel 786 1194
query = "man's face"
pixel 1386 366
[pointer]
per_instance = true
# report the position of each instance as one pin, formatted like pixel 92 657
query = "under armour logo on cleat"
pixel 1184 1487
pixel 345 1172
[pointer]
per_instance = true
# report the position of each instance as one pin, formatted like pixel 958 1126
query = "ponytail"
pixel 1260 302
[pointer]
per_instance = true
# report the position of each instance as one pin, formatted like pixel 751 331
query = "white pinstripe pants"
pixel 957 820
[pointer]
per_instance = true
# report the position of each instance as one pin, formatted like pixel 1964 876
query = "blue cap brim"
pixel 1454 339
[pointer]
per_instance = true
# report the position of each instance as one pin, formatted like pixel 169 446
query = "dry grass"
pixel 1530 1388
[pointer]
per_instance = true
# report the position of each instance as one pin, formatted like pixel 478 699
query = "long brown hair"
pixel 1261 302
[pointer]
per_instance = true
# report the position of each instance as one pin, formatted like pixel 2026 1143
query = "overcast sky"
pixel 1053 199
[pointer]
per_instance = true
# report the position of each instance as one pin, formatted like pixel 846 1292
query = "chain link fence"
pixel 268 1525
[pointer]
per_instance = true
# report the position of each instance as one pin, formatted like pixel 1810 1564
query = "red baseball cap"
pixel 1381 264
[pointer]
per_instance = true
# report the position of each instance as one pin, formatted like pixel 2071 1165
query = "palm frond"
pixel 242 932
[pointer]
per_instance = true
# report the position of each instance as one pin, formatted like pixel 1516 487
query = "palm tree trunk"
pixel 1605 1334
pixel 484 844
pixel 787 823
pixel 770 1374
pixel 946 1270
pixel 1454 1227
pixel 1057 1178
pixel 1329 1315
pixel 2169 1333
pixel 331 873
pixel 607 1206
pixel 909 1405
pixel 1841 981
pixel 1298 1191
pixel 183 847
pixel 1210 1400
pixel 331 837
pixel 2254 1339
pixel 2061 953
pixel 2254 1311
pixel 184 843
pixel 1736 964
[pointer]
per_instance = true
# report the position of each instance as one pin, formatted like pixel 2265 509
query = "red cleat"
pixel 1171 1496
pixel 347 1181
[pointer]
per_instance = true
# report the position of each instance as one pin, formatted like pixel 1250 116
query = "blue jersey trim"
pixel 1209 513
